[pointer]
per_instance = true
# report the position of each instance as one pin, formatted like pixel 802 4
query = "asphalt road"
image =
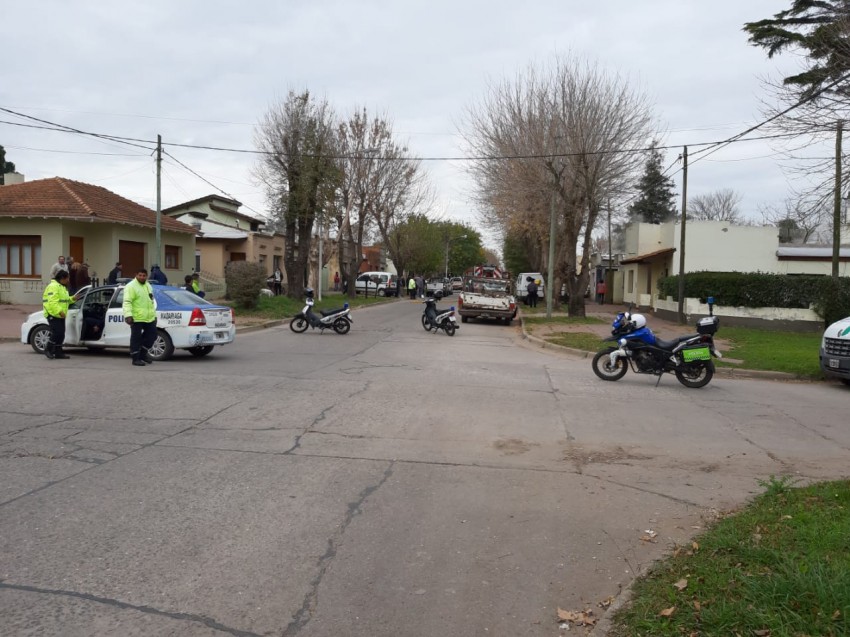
pixel 385 482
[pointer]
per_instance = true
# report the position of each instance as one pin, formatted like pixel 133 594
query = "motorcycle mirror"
pixel 710 301
pixel 345 306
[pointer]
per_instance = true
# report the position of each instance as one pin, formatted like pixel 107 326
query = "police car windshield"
pixel 184 297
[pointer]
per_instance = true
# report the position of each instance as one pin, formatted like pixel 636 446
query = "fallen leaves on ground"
pixel 681 585
pixel 578 617
pixel 667 612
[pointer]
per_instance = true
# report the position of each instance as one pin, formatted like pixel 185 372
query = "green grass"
pixel 564 320
pixel 577 340
pixel 778 568
pixel 791 352
pixel 279 307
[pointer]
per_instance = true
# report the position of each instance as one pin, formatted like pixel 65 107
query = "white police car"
pixel 835 351
pixel 96 320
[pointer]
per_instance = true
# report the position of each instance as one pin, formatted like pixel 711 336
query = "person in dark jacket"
pixel 114 274
pixel 531 288
pixel 158 275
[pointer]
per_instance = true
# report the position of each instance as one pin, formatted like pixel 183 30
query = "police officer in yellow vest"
pixel 56 300
pixel 140 315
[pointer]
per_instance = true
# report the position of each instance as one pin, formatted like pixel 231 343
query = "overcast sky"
pixel 204 72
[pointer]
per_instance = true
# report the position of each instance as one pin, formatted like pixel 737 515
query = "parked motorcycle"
pixel 688 357
pixel 338 319
pixel 434 318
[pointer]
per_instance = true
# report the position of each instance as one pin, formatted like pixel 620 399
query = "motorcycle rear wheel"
pixel 449 328
pixel 696 375
pixel 602 365
pixel 298 324
pixel 341 326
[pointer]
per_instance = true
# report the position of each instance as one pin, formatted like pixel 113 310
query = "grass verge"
pixel 279 307
pixel 790 352
pixel 778 568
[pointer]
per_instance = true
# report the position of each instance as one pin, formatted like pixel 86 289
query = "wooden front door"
pixel 77 249
pixel 131 254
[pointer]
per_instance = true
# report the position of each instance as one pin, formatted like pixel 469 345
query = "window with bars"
pixel 20 256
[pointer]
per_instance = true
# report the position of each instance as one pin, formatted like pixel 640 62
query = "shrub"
pixel 244 282
pixel 827 297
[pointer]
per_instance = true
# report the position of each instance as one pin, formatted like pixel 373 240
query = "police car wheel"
pixel 200 351
pixel 162 348
pixel 39 338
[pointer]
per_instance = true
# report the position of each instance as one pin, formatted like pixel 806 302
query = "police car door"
pixel 115 331
pixel 74 323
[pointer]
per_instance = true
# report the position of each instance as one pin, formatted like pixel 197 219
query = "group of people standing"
pixel 78 272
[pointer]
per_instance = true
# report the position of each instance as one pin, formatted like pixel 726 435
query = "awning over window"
pixel 649 256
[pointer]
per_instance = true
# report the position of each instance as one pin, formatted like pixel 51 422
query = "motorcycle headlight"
pixel 622 342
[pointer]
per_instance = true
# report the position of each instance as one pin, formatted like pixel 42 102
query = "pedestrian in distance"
pixel 196 285
pixel 72 270
pixel 411 287
pixel 600 291
pixel 336 282
pixel 55 302
pixel 277 276
pixel 59 265
pixel 140 315
pixel 531 292
pixel 114 274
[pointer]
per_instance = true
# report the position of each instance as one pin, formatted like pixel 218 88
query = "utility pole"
pixel 551 273
pixel 319 282
pixel 836 212
pixel 682 238
pixel 158 201
pixel 608 265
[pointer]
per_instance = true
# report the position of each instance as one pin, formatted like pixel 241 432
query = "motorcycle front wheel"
pixel 341 326
pixel 603 368
pixel 449 327
pixel 425 324
pixel 298 324
pixel 696 375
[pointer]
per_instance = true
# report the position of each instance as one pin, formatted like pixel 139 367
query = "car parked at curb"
pixel 96 321
pixel 835 351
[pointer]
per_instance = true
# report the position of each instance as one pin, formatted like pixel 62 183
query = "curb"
pixel 726 372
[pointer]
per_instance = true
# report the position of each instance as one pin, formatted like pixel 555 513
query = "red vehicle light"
pixel 198 317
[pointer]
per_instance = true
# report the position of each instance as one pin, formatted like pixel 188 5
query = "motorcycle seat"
pixel 330 312
pixel 672 344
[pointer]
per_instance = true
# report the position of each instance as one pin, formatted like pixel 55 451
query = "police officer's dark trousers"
pixel 142 337
pixel 53 349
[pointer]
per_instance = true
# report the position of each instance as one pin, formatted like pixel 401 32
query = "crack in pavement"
pixel 150 610
pixel 47 485
pixel 305 613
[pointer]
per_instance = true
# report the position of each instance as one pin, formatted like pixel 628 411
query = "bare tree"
pixel 798 220
pixel 380 185
pixel 565 138
pixel 299 175
pixel 720 205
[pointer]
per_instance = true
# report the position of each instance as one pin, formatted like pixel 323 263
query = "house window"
pixel 172 257
pixel 631 281
pixel 20 256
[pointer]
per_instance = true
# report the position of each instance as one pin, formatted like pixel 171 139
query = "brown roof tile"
pixel 61 198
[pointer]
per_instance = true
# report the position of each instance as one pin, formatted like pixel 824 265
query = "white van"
pixel 522 282
pixel 376 283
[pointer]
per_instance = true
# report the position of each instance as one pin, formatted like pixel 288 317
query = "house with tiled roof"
pixel 42 219
pixel 226 234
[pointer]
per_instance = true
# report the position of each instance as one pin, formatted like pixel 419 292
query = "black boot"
pixel 137 359
pixel 49 350
pixel 59 353
pixel 146 356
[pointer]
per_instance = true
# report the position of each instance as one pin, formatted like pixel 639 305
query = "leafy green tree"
pixel 817 28
pixel 655 202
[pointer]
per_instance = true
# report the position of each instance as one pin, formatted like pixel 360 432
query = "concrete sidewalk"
pixel 11 318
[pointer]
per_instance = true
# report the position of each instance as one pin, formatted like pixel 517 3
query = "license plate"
pixel 834 363
pixel 222 324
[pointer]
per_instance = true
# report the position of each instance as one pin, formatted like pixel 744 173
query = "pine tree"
pixel 655 199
